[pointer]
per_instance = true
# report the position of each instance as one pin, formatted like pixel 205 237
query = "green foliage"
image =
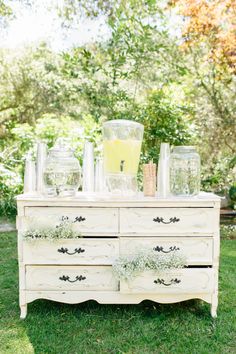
pixel 30 86
pixel 113 77
pixel 5 10
pixel 10 186
pixel 163 121
pixel 218 175
pixel 228 232
pixel 232 195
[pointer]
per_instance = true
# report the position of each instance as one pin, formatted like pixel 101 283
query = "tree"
pixel 5 9
pixel 209 43
pixel 30 86
pixel 212 23
pixel 114 76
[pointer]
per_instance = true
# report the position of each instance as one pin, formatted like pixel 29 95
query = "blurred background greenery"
pixel 168 64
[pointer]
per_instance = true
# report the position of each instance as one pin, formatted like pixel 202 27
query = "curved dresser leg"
pixel 214 304
pixel 23 311
pixel 213 311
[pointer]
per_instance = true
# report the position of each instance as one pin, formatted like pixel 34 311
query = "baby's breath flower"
pixel 62 231
pixel 127 267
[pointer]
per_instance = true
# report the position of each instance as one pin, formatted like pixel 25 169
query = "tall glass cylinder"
pixel 40 166
pixel 30 175
pixel 184 171
pixel 88 167
pixel 163 183
pixel 122 140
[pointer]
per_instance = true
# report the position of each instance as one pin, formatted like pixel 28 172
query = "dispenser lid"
pixel 123 122
pixel 123 129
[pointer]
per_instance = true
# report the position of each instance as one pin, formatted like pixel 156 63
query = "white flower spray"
pixel 62 231
pixel 127 267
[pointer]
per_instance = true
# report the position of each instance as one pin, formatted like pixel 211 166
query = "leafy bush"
pixel 232 195
pixel 228 232
pixel 218 175
pixel 10 186
pixel 164 121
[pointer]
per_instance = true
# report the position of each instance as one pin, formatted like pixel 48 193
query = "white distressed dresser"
pixel 76 270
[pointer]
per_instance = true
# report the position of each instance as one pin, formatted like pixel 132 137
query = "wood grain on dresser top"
pixel 203 200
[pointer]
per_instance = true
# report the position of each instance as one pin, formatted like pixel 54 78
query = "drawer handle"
pixel 67 278
pixel 77 218
pixel 161 220
pixel 162 282
pixel 65 250
pixel 161 249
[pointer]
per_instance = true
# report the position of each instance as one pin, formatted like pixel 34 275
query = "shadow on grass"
pixel 93 328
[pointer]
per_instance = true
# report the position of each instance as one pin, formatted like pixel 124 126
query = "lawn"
pixel 56 328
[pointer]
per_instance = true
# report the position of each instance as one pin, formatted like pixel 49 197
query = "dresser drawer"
pixel 184 281
pixel 79 251
pixel 197 250
pixel 167 221
pixel 85 220
pixel 70 278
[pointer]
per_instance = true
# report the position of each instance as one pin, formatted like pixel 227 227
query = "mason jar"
pixel 184 171
pixel 62 174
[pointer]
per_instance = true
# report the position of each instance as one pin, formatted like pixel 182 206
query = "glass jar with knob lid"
pixel 184 171
pixel 62 174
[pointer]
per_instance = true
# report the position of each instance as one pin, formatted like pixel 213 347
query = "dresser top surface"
pixel 106 200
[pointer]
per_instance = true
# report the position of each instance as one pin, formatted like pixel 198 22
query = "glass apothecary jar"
pixel 184 171
pixel 62 174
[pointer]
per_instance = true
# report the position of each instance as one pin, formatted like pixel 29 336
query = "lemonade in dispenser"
pixel 122 140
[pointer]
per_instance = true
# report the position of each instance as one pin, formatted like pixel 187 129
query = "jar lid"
pixel 61 146
pixel 184 148
pixel 123 122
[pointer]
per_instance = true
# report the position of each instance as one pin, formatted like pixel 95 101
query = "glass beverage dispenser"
pixel 122 140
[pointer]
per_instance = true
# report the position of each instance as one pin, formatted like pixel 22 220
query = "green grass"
pixel 56 328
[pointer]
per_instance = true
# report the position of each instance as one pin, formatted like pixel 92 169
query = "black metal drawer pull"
pixel 77 218
pixel 162 282
pixel 161 249
pixel 67 278
pixel 65 250
pixel 161 220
